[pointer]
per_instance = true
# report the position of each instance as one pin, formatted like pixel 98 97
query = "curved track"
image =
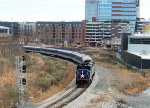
pixel 73 92
pixel 65 98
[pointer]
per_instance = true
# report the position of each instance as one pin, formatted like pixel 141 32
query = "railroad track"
pixel 67 97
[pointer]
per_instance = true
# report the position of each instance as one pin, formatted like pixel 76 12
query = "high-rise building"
pixel 91 9
pixel 112 10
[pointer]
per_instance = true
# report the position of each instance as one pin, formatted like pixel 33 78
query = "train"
pixel 85 69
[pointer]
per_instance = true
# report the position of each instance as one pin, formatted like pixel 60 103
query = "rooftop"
pixel 145 56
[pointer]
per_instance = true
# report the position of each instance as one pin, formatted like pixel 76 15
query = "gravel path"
pixel 141 100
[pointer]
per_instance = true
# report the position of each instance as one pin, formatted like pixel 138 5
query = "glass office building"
pixel 91 9
pixel 113 9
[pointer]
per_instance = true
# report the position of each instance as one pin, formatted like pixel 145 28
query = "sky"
pixel 51 10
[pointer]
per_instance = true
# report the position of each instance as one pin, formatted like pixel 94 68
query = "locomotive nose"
pixel 83 74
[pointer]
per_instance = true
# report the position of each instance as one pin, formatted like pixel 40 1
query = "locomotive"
pixel 85 65
pixel 85 73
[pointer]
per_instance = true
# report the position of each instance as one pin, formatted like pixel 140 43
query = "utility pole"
pixel 21 77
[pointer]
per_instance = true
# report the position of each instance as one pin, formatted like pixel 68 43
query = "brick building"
pixel 6 39
pixel 5 36
pixel 61 32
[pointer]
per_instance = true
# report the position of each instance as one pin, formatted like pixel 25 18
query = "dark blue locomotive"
pixel 85 73
pixel 85 68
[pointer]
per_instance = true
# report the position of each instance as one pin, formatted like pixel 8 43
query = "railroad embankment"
pixel 45 76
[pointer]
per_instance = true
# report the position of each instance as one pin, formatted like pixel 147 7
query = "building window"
pixel 140 41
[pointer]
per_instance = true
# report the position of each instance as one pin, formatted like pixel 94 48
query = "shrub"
pixel 43 83
pixel 55 79
pixel 49 69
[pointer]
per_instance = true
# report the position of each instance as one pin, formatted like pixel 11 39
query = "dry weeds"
pixel 35 67
pixel 127 81
pixel 38 95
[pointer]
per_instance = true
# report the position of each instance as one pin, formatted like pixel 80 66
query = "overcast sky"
pixel 51 10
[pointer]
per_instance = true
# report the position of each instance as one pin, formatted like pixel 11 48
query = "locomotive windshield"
pixel 83 66
pixel 87 61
